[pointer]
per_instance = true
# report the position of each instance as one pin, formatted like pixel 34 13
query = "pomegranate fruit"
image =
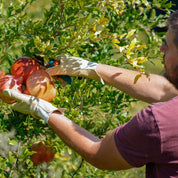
pixel 43 153
pixel 40 84
pixel 1 73
pixel 23 67
pixel 10 82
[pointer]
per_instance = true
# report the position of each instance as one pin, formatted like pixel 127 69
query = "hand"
pixel 28 104
pixel 74 66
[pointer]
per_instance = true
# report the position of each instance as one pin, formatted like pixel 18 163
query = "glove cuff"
pixel 44 114
pixel 102 81
pixel 88 69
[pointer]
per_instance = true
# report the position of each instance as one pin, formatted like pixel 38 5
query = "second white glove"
pixel 31 105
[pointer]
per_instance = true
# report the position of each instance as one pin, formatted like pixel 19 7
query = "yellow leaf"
pixel 105 30
pixel 128 52
pixel 91 35
pixel 119 11
pixel 130 33
pixel 105 36
pixel 66 158
pixel 120 48
pixel 103 20
pixel 140 47
pixel 96 39
pixel 137 77
pixel 122 35
pixel 94 27
pixel 115 41
pixel 132 44
pixel 57 155
pixel 129 60
pixel 117 46
pixel 141 59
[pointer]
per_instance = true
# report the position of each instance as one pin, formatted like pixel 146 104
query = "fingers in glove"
pixel 52 71
pixel 13 94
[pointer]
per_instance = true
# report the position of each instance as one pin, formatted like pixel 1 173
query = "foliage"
pixel 119 33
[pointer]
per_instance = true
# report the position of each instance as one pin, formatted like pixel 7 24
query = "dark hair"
pixel 172 24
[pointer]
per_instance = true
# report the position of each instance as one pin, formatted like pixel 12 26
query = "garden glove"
pixel 28 104
pixel 75 66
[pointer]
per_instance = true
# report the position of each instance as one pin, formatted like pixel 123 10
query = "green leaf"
pixel 13 142
pixel 136 78
pixel 84 29
pixel 153 14
pixel 11 158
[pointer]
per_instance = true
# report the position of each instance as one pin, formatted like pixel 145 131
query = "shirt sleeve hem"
pixel 122 154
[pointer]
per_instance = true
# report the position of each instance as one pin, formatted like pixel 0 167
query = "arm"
pixel 156 88
pixel 102 154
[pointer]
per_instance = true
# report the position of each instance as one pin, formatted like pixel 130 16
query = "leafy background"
pixel 120 33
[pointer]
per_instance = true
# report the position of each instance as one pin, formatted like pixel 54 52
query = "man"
pixel 150 138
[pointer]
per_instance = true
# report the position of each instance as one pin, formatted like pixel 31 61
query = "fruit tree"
pixel 120 33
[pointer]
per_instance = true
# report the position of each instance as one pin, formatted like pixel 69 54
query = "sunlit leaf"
pixel 120 48
pixel 136 78
pixel 128 52
pixel 130 33
pixel 141 59
pixel 11 158
pixel 103 20
pixel 98 31
pixel 94 27
pixel 132 44
pixel 13 142
pixel 115 41
pixel 140 47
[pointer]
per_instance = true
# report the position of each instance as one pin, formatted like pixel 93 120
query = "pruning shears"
pixel 63 79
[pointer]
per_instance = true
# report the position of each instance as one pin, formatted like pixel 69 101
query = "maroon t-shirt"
pixel 151 138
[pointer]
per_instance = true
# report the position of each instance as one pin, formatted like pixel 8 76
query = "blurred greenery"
pixel 119 33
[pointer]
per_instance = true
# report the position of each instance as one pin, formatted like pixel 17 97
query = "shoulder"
pixel 143 121
pixel 166 117
pixel 137 137
pixel 165 111
pixel 146 131
pixel 172 103
pixel 151 116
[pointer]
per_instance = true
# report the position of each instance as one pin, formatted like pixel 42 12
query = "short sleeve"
pixel 138 141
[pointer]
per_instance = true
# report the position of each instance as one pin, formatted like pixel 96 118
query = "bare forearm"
pixel 77 138
pixel 154 88
pixel 102 154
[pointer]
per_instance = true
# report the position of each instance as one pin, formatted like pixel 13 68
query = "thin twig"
pixel 78 168
pixel 14 165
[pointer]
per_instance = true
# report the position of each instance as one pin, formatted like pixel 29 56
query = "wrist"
pixel 89 70
pixel 58 112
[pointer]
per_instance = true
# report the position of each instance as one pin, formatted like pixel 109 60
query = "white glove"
pixel 75 66
pixel 28 104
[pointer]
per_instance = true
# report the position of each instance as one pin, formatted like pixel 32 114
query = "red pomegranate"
pixel 1 73
pixel 43 153
pixel 23 67
pixel 40 84
pixel 10 82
